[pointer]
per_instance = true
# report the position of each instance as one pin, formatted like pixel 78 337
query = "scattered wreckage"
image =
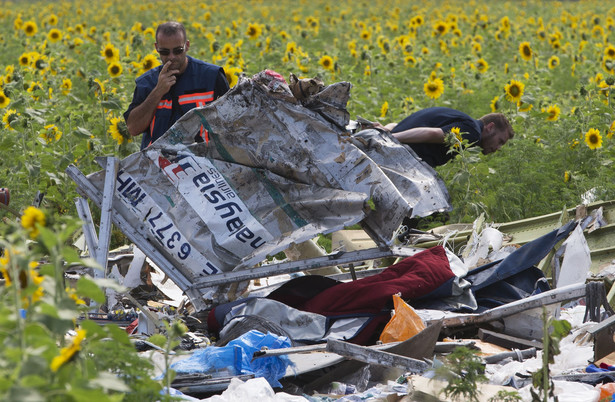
pixel 269 167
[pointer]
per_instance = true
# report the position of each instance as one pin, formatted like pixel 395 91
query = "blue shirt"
pixel 444 118
pixel 200 84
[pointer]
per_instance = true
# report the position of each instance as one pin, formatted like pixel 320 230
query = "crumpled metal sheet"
pixel 273 171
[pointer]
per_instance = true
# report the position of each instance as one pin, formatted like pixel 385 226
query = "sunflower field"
pixel 67 74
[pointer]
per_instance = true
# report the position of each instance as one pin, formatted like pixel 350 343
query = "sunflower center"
pixel 593 139
pixel 514 90
pixel 527 51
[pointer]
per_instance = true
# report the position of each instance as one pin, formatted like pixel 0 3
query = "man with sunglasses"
pixel 163 94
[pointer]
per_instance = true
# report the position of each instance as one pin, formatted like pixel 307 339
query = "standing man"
pixel 163 94
pixel 424 131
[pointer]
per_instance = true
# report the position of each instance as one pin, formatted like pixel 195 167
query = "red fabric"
pixel 414 277
pixel 132 327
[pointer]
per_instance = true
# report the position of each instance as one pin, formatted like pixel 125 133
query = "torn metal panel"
pixel 542 299
pixel 373 356
pixel 415 179
pixel 273 171
pixel 603 334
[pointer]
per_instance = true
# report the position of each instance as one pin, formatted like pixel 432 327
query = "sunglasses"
pixel 176 51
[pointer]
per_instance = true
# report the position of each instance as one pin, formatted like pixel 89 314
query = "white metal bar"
pixel 104 236
pixel 339 258
pixel 372 356
pixel 91 238
pixel 558 295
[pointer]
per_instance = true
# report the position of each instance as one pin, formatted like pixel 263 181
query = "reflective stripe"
pixel 198 98
pixel 165 104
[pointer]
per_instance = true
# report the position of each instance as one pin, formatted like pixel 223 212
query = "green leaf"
pixel 158 340
pixel 86 287
pixel 119 334
pixel 110 283
pixel 112 104
pixel 48 309
pixel 88 395
pixel 93 329
pixel 33 381
pixel 110 382
pixel 561 328
pixel 82 132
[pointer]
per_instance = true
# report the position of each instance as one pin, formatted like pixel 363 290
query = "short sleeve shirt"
pixel 200 84
pixel 446 119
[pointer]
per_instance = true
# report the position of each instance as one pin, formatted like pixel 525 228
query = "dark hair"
pixel 171 28
pixel 500 121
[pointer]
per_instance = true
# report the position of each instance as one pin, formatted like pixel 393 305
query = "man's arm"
pixel 141 116
pixel 417 135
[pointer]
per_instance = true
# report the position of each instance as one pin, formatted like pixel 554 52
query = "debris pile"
pixel 448 314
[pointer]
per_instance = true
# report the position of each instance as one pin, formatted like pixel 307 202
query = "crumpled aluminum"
pixel 257 170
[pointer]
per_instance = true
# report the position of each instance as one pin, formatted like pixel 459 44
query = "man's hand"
pixel 167 78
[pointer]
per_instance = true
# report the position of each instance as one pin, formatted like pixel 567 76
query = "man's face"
pixel 173 48
pixel 493 139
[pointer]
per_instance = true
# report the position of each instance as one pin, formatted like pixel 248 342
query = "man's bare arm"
pixel 141 116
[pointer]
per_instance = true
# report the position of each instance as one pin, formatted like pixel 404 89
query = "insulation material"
pixel 257 170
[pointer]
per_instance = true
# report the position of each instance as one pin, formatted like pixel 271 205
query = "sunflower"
pixel 611 131
pixel 440 28
pixel 253 31
pixel 456 132
pixel 553 62
pixel 327 63
pixel 34 89
pixel 417 21
pixel 66 86
pixel 291 47
pixel 232 75
pixel 367 71
pixel 566 176
pixel 52 19
pixel 593 139
pixel 514 90
pixel 505 24
pixel 495 104
pixel 54 35
pixel 110 53
pixel 31 218
pixel 365 34
pixel 410 61
pixel 150 61
pixel 525 51
pixel 118 130
pixel 481 65
pixel 10 116
pixel 50 133
pixel 24 59
pixel 114 69
pixel 4 100
pixel 553 112
pixel 30 28
pixel 68 352
pixel 384 109
pixel 434 88
pixel 524 107
pixel 227 49
pixel 609 52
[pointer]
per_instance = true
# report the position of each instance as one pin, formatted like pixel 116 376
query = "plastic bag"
pixel 403 325
pixel 236 358
pixel 606 391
